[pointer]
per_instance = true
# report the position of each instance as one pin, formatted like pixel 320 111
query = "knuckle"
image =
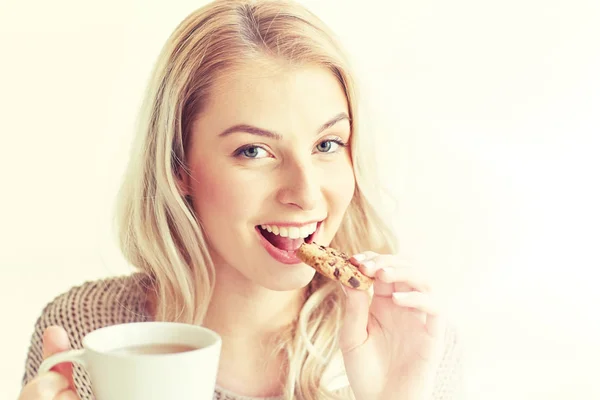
pixel 427 283
pixel 384 260
pixel 392 260
pixel 39 391
pixel 43 387
pixel 370 254
pixel 429 287
pixel 67 395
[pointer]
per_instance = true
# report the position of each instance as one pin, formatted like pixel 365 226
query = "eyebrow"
pixel 253 130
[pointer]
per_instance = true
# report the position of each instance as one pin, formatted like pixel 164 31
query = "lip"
pixel 283 256
pixel 298 224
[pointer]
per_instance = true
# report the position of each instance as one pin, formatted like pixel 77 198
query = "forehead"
pixel 277 98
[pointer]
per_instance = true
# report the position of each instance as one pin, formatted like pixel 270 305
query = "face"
pixel 270 168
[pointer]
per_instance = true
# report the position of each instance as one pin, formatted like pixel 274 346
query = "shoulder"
pixel 88 307
pixel 96 304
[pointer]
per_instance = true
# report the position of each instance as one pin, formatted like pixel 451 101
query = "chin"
pixel 290 280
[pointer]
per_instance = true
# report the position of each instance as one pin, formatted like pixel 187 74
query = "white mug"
pixel 117 374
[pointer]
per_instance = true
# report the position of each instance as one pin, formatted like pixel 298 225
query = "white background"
pixel 488 121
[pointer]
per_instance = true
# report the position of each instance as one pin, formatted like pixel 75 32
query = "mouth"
pixel 282 245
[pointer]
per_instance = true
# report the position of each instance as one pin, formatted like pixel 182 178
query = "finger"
pixel 403 279
pixel 425 303
pixel 56 340
pixel 67 395
pixel 373 263
pixel 361 258
pixel 45 386
pixel 354 324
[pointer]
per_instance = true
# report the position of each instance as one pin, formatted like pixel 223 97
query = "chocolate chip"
pixel 332 262
pixel 336 273
pixel 353 282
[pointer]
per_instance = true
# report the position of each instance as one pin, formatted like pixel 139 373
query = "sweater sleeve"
pixel 449 380
pixel 81 310
pixel 34 355
pixel 63 311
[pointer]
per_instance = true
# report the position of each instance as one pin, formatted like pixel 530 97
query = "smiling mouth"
pixel 286 243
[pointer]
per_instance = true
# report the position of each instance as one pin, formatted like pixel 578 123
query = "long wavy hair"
pixel 158 230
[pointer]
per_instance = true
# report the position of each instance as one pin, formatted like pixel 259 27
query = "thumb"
pixel 56 340
pixel 354 324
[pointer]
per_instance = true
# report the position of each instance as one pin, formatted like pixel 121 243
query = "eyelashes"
pixel 249 152
pixel 337 141
pixel 256 152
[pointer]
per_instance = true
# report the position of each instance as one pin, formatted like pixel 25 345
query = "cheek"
pixel 341 186
pixel 218 195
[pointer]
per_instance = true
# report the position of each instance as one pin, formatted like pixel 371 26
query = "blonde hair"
pixel 158 231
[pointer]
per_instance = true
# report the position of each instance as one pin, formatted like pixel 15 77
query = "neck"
pixel 241 310
pixel 248 318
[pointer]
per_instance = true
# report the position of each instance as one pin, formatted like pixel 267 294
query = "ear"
pixel 183 180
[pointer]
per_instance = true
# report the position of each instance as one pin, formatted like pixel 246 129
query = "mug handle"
pixel 65 356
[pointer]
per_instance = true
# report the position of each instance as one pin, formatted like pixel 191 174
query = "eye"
pixel 251 152
pixel 330 145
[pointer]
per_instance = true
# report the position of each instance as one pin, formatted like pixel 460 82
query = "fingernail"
pixel 368 265
pixel 359 257
pixel 388 270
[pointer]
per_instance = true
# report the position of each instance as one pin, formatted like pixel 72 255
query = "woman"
pixel 247 145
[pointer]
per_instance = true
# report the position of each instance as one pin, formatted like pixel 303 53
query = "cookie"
pixel 333 264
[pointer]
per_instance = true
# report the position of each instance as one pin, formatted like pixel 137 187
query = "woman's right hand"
pixel 58 383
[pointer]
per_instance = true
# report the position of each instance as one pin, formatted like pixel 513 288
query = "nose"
pixel 300 186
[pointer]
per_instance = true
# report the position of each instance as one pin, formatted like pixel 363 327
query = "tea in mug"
pixel 155 348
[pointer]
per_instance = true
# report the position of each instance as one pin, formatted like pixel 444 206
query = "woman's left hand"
pixel 392 347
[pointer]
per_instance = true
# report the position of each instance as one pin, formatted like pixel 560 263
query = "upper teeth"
pixel 293 232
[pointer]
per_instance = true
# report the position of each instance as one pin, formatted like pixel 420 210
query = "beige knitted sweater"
pixel 118 300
